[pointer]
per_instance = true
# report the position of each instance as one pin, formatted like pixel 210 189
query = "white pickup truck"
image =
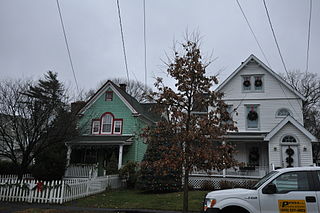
pixel 289 190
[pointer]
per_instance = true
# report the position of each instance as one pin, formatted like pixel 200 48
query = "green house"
pixel 110 126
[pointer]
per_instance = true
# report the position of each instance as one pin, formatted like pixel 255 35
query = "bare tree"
pixel 33 116
pixel 308 84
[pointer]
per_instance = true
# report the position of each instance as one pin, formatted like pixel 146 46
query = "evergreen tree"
pixel 150 178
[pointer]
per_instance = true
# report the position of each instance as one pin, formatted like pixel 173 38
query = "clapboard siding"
pixel 267 112
pixel 272 87
pixel 305 156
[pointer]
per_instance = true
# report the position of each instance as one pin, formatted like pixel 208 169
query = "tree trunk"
pixel 186 191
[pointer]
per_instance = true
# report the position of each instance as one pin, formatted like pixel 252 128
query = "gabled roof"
pixel 254 58
pixel 135 107
pixel 295 123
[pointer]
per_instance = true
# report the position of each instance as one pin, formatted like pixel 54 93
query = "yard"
pixel 132 199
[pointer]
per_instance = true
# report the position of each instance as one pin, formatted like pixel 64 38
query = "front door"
pixel 290 156
pixel 295 194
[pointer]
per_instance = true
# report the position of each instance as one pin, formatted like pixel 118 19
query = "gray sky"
pixel 31 38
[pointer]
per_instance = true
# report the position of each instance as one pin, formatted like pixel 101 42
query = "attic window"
pixel 252 83
pixel 283 112
pixel 109 96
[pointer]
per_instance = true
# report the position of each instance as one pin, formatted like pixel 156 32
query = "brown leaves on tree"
pixel 196 119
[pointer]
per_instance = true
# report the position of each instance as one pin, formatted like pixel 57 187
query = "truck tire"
pixel 233 209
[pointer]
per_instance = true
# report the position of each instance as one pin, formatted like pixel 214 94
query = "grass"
pixel 134 199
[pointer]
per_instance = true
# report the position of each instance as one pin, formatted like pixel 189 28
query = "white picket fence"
pixel 32 191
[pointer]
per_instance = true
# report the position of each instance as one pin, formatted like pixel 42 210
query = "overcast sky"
pixel 32 42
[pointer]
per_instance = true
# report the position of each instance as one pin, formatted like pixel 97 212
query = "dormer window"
pixel 252 83
pixel 109 96
pixel 283 112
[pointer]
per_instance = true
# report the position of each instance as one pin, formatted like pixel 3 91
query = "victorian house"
pixel 110 124
pixel 268 112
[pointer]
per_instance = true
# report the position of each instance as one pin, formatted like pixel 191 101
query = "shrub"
pixel 129 172
pixel 112 165
pixel 224 184
pixel 50 164
pixel 8 168
pixel 207 185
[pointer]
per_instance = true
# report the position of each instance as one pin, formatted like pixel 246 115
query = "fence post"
pixel 62 192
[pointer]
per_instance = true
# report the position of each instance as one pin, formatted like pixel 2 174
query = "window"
pixel 107 125
pixel 109 96
pixel 252 116
pixel 257 83
pixel 292 181
pixel 283 112
pixel 289 139
pixel 95 126
pixel 246 83
pixel 107 121
pixel 117 127
pixel 252 83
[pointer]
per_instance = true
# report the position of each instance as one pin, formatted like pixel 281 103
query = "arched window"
pixel 283 112
pixel 106 123
pixel 289 139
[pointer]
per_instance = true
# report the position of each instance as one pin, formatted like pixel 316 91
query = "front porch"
pixel 92 156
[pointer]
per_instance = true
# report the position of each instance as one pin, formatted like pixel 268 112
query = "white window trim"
pixel 289 143
pixel 246 114
pixel 114 127
pixel 252 87
pixel 283 116
pixel 92 129
pixel 102 119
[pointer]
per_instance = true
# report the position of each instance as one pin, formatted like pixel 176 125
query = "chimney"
pixel 76 106
pixel 123 87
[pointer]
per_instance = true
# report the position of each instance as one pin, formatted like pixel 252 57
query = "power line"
pixel 274 36
pixel 309 32
pixel 67 45
pixel 145 44
pixel 123 43
pixel 255 37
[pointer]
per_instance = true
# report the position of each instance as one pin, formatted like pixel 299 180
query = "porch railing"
pixel 84 171
pixel 255 172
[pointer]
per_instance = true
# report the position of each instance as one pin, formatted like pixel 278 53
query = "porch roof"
pixel 246 136
pixel 103 140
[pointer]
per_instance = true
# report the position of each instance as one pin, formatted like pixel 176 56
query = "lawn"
pixel 134 199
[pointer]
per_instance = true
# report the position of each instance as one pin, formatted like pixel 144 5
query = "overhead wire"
pixel 145 44
pixel 275 38
pixel 123 43
pixel 254 35
pixel 309 32
pixel 67 45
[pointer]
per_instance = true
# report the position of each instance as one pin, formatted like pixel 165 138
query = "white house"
pixel 268 112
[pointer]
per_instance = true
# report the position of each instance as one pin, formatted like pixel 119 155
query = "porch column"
pixel 120 156
pixel 68 155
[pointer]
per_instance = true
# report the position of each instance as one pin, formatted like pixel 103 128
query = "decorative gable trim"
pixel 102 91
pixel 260 63
pixel 295 123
